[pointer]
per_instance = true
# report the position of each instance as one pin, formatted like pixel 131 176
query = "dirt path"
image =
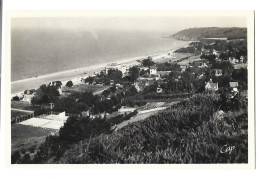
pixel 100 91
pixel 138 117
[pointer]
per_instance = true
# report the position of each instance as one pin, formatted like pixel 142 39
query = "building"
pixel 233 60
pixel 233 84
pixel 85 113
pixel 28 95
pixel 156 77
pixel 55 83
pixel 215 52
pixel 153 70
pixel 203 65
pixel 234 88
pixel 243 59
pixel 121 67
pixel 216 72
pixel 211 87
pixel 205 51
pixel 143 68
pixel 183 67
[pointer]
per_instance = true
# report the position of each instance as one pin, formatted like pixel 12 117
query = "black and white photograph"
pixel 131 87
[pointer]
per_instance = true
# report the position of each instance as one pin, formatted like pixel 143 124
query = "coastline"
pixel 17 87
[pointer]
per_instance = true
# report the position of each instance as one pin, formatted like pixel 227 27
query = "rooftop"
pixel 153 67
pixel 233 84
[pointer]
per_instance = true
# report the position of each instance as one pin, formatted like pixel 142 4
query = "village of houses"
pixel 154 86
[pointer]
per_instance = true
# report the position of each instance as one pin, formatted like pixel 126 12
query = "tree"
pixel 240 74
pixel 15 157
pixel 225 66
pixel 115 75
pixel 26 159
pixel 45 94
pixel 87 98
pixel 148 62
pixel 70 105
pixel 69 84
pixel 134 73
pixel 15 98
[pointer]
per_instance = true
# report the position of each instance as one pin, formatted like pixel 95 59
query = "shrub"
pixel 69 84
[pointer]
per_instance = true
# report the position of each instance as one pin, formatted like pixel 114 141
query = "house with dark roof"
pixel 210 86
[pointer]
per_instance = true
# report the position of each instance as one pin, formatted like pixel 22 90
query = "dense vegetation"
pixel 166 66
pixel 192 131
pixel 211 32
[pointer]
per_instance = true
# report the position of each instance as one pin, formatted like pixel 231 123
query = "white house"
pixel 28 95
pixel 153 70
pixel 210 86
pixel 215 52
pixel 234 86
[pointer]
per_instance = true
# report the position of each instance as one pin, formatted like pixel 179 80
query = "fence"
pixel 21 118
pixel 24 117
pixel 66 114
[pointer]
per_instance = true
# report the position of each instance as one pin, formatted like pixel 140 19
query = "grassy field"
pixel 20 105
pixel 191 59
pixel 24 138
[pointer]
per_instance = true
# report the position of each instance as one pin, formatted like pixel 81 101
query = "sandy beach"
pixel 18 87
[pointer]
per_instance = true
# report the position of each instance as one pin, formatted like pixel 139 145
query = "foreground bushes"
pixel 192 131
pixel 188 132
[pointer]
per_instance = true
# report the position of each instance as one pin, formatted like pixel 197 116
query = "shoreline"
pixel 18 86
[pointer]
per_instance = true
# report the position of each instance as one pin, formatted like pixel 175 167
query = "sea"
pixel 37 52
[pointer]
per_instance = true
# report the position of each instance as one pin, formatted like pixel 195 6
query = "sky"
pixel 165 24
